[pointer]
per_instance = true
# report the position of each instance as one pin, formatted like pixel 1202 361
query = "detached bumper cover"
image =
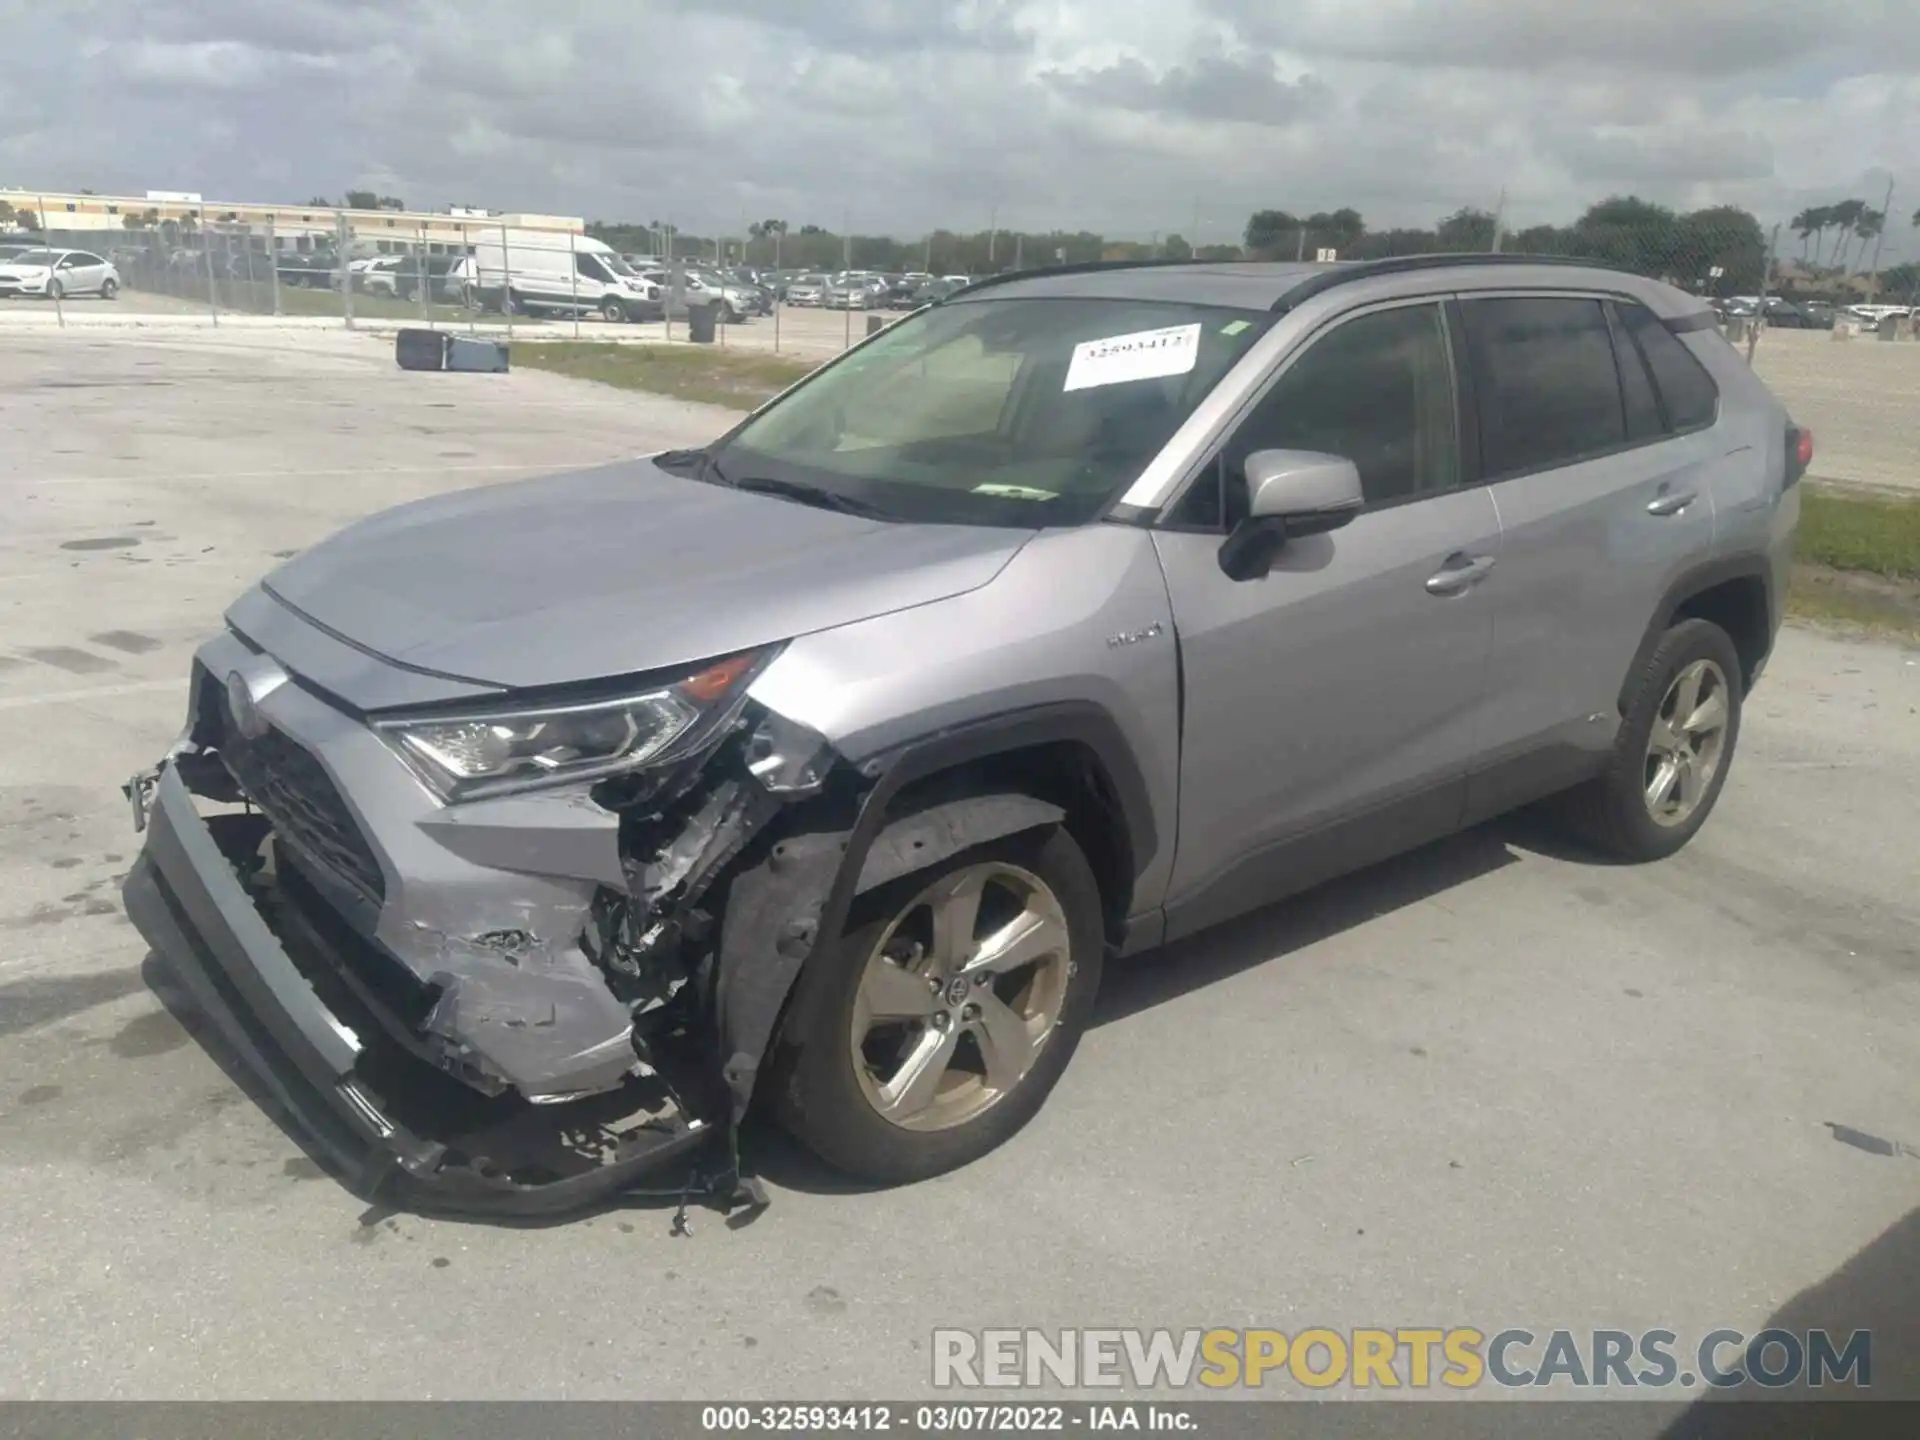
pixel 186 899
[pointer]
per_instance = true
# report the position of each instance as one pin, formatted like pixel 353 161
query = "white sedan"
pixel 54 274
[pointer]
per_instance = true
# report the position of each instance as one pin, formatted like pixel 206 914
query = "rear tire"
pixel 833 1092
pixel 1673 750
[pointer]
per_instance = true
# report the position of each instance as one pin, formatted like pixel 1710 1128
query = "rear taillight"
pixel 1799 452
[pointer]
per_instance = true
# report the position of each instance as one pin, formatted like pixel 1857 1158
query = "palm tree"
pixel 1868 227
pixel 1809 222
pixel 1845 218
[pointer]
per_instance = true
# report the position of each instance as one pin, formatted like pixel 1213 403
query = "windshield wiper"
pixel 804 494
pixel 682 460
pixel 695 464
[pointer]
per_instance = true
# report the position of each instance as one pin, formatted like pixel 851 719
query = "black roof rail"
pixel 1082 267
pixel 1344 272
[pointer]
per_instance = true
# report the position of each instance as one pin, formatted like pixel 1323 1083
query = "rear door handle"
pixel 1461 573
pixel 1671 503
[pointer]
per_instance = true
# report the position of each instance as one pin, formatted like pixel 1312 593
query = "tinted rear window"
pixel 1548 390
pixel 1644 419
pixel 1692 399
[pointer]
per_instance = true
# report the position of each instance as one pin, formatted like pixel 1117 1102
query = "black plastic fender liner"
pixel 804 886
pixel 929 836
pixel 777 909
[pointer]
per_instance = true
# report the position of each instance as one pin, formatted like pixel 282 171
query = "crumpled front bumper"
pixel 357 1098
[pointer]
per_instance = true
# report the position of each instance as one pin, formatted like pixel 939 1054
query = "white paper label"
pixel 1144 355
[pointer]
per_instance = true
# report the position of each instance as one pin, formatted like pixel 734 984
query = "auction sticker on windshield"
pixel 1143 355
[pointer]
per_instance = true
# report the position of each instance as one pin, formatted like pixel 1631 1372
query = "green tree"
pixel 1466 229
pixel 1630 233
pixel 1341 230
pixel 1901 283
pixel 1724 237
pixel 1271 231
pixel 1540 240
pixel 7 214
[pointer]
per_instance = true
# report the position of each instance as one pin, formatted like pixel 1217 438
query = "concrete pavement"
pixel 1486 1084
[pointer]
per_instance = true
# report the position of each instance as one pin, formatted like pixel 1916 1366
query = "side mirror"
pixel 1290 493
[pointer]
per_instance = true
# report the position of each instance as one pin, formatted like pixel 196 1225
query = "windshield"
pixel 1028 412
pixel 32 257
pixel 615 264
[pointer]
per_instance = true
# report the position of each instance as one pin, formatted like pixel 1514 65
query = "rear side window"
pixel 1644 420
pixel 1549 392
pixel 1692 400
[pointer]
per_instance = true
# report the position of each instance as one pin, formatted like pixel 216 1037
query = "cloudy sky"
pixel 1123 116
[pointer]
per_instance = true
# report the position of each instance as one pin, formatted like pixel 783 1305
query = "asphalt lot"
pixel 1486 1084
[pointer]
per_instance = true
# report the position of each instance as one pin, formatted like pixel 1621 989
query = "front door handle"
pixel 1460 574
pixel 1671 502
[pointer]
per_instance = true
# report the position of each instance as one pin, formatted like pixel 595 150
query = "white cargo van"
pixel 531 272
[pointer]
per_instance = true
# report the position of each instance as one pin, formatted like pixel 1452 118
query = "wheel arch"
pixel 1734 593
pixel 1070 755
pixel 1067 762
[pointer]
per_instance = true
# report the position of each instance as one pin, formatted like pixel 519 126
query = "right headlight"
pixel 474 755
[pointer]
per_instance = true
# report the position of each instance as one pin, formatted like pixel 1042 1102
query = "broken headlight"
pixel 482 753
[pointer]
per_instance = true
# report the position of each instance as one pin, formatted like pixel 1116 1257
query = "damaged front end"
pixel 518 996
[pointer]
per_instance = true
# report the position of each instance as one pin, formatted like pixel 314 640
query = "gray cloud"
pixel 906 114
pixel 1213 87
pixel 1693 37
pixel 1657 155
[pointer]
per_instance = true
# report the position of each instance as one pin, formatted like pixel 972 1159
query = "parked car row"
pixel 865 289
pixel 1785 314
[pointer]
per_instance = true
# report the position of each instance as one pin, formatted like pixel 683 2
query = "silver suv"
pixel 520 838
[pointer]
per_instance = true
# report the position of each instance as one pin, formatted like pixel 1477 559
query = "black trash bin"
pixel 876 323
pixel 700 323
pixel 420 349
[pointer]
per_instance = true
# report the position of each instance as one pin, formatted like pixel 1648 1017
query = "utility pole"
pixel 1193 235
pixel 993 234
pixel 1499 218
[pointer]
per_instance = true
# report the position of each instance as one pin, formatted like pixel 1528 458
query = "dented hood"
pixel 614 571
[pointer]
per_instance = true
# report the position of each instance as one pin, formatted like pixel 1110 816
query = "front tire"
pixel 109 289
pixel 1673 750
pixel 612 311
pixel 936 1026
pixel 56 291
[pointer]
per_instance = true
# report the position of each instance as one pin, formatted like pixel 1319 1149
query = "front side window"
pixel 590 268
pixel 1544 372
pixel 1026 412
pixel 1376 390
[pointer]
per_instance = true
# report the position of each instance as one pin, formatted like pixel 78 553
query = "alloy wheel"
pixel 957 999
pixel 1687 743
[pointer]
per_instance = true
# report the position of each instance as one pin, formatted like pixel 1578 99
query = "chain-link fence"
pixel 811 292
pixel 375 269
